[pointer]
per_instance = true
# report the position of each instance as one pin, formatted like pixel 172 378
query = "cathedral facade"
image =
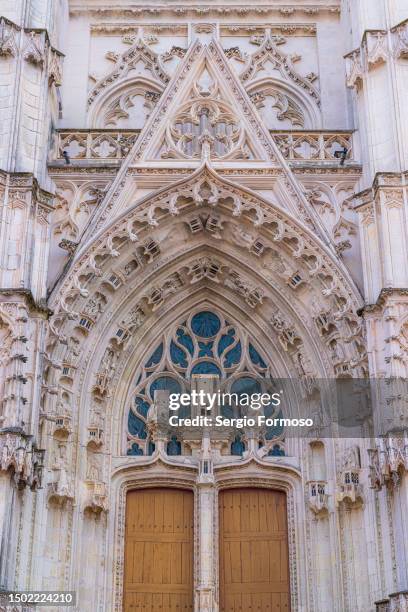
pixel 200 194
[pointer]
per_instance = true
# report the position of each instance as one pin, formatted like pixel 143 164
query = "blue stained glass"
pixel 233 356
pixel 225 341
pixel 269 410
pixel 255 357
pixel 155 357
pixel 205 349
pixel 136 426
pixel 274 432
pixel 206 367
pixel 227 411
pixel 247 385
pixel 135 449
pixel 173 447
pixel 193 338
pixel 276 451
pixel 205 324
pixel 237 447
pixel 164 382
pixel 178 356
pixel 186 340
pixel 142 406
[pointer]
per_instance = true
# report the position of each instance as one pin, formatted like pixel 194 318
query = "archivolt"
pixel 203 240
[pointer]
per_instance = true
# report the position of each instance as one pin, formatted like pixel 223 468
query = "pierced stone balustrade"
pixel 318 497
pixel 295 145
pixel 83 145
pixel 315 147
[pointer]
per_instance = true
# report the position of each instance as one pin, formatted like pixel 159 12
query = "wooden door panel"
pixel 254 572
pixel 159 551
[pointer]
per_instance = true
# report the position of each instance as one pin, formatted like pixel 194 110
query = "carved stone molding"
pixel 317 496
pixel 388 459
pixel 139 51
pixel 269 50
pixel 20 455
pixel 400 40
pixel 220 10
pixel 8 41
pixel 376 48
pixel 96 499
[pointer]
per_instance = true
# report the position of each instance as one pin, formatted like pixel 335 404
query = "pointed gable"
pixel 206 114
pixel 201 107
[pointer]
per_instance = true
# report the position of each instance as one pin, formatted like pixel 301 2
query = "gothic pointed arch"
pixel 138 71
pixel 283 105
pixel 162 259
pixel 269 52
pixel 126 104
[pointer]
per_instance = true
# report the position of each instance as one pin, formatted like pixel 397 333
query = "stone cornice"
pixel 187 8
pixel 40 31
pixel 382 299
pixel 376 48
pixel 28 298
pixel 26 181
pixel 382 180
pixel 59 168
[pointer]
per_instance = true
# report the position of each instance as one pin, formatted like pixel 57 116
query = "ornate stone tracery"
pixel 204 344
pixel 203 184
pixel 269 51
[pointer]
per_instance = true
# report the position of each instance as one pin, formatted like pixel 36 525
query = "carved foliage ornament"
pixel 286 108
pixel 269 51
pixel 139 52
pixel 19 455
pixel 201 187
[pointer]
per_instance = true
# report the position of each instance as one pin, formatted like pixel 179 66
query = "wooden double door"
pixel 254 565
pixel 253 551
pixel 159 551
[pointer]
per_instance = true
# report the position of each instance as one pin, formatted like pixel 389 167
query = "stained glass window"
pixel 204 343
